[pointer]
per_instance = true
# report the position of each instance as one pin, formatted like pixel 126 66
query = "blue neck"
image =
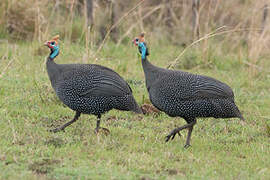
pixel 143 50
pixel 54 53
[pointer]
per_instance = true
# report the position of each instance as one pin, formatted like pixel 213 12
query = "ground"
pixel 135 148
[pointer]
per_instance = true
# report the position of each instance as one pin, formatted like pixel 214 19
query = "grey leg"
pixel 62 128
pixel 188 126
pixel 98 124
pixel 188 137
pixel 98 128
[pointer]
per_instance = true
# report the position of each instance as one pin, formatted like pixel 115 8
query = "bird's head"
pixel 139 41
pixel 54 46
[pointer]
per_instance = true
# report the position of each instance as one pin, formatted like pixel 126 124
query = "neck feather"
pixel 151 72
pixel 147 66
pixel 53 70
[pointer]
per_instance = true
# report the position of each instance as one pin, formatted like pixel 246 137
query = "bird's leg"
pixel 188 137
pixel 61 128
pixel 98 128
pixel 98 125
pixel 177 130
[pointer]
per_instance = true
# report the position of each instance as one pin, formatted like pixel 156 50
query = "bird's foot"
pixel 243 123
pixel 172 135
pixel 57 130
pixel 103 130
pixel 187 146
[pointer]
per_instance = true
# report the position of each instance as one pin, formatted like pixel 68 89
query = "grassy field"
pixel 135 148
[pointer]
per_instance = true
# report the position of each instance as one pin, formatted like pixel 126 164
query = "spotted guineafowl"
pixel 186 95
pixel 88 88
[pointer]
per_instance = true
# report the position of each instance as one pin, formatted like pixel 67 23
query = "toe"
pixel 106 131
pixel 54 130
pixel 167 138
pixel 173 136
pixel 96 130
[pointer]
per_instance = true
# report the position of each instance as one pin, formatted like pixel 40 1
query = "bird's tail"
pixel 241 117
pixel 136 108
pixel 128 104
pixel 239 114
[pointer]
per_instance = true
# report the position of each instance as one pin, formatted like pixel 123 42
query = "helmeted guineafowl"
pixel 186 95
pixel 88 88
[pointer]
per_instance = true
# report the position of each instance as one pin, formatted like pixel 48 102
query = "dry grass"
pixel 233 46
pixel 230 27
pixel 135 149
pixel 24 21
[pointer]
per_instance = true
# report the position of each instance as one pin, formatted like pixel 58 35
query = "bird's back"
pixel 179 93
pixel 93 89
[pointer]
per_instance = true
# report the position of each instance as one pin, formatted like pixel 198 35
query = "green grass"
pixel 135 149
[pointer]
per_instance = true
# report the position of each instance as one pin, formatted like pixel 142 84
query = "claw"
pixel 187 146
pixel 56 130
pixel 175 134
pixel 171 136
pixel 96 130
pixel 101 129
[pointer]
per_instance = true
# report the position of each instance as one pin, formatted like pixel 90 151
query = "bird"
pixel 88 88
pixel 186 95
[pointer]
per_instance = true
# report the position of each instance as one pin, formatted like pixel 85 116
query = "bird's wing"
pixel 104 86
pixel 95 80
pixel 211 88
pixel 189 86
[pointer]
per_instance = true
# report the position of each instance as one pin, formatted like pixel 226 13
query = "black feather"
pixel 189 96
pixel 90 88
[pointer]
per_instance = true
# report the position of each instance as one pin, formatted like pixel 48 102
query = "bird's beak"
pixel 135 41
pixel 46 43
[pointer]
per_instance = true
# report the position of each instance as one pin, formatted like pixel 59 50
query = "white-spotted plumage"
pixel 90 89
pixel 187 95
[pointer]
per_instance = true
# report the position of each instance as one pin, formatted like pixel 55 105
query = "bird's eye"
pixel 52 43
pixel 136 39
